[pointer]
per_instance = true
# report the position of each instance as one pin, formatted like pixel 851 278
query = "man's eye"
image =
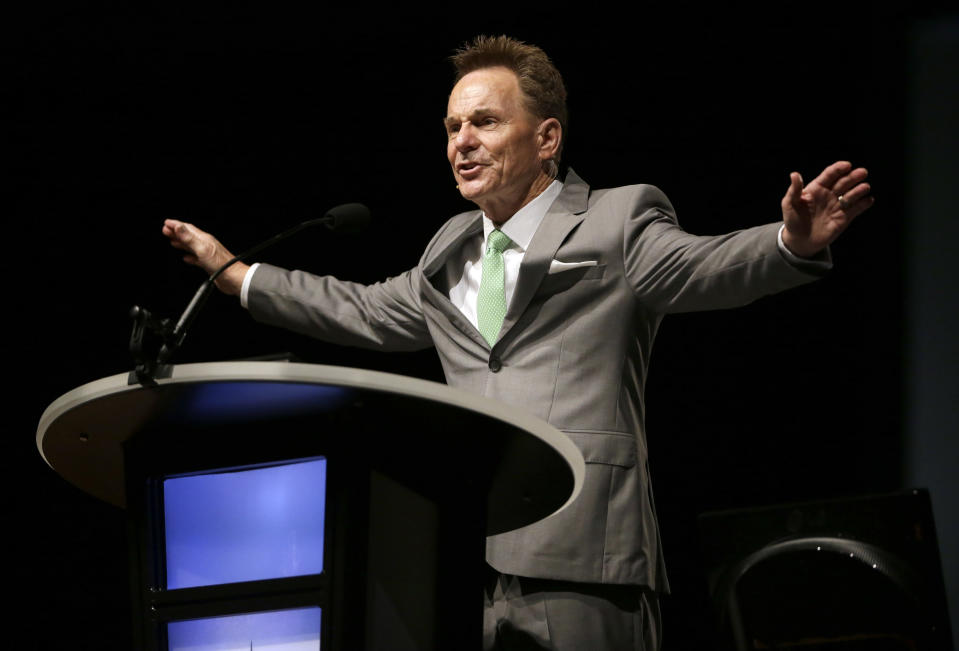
pixel 488 122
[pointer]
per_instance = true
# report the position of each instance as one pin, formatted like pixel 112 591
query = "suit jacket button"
pixel 494 364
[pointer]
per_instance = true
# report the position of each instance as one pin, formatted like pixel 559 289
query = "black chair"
pixel 838 575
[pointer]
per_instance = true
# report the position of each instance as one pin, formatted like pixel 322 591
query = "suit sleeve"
pixel 671 270
pixel 386 315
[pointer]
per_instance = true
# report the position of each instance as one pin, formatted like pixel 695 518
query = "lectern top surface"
pixel 82 434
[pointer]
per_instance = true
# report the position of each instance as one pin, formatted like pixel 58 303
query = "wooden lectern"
pixel 416 475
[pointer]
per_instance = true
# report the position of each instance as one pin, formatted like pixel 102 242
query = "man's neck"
pixel 500 214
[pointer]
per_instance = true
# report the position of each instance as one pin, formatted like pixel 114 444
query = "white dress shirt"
pixel 463 276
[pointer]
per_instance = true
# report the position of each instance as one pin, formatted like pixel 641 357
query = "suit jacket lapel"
pixel 451 243
pixel 561 218
pixel 437 293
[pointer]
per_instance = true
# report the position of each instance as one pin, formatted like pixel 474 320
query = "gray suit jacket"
pixel 573 350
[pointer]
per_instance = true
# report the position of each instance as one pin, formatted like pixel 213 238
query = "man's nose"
pixel 466 138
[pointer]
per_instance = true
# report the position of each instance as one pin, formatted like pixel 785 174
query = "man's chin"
pixel 470 191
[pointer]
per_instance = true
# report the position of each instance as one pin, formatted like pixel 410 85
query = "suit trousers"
pixel 523 614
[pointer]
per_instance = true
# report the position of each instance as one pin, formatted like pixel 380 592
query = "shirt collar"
pixel 522 225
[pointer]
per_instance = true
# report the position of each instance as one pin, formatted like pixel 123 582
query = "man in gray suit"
pixel 549 297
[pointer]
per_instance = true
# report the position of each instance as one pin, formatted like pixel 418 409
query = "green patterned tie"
pixel 491 302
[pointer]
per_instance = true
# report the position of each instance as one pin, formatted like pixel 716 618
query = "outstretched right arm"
pixel 385 315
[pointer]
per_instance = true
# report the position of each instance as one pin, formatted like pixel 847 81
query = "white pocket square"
pixel 556 266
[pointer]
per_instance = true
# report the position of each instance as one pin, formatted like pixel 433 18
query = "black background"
pixel 246 119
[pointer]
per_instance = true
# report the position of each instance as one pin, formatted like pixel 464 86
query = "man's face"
pixel 493 143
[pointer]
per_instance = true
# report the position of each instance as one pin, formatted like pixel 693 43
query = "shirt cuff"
pixel 789 255
pixel 245 288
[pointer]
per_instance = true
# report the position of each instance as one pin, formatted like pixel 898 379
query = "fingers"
pixel 182 231
pixel 170 225
pixel 831 175
pixel 177 232
pixel 845 183
pixel 795 184
pixel 852 192
pixel 842 180
pixel 794 191
pixel 859 192
pixel 857 206
pixel 848 186
pixel 187 236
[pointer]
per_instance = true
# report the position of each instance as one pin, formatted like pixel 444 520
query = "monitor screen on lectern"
pixel 246 524
pixel 281 630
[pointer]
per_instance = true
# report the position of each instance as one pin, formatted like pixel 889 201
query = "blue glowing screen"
pixel 246 525
pixel 282 630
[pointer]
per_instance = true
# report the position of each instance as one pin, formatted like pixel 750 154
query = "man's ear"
pixel 550 135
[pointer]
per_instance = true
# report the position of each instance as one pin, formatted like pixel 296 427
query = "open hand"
pixel 815 215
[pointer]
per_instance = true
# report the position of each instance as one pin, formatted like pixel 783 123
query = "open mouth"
pixel 468 169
